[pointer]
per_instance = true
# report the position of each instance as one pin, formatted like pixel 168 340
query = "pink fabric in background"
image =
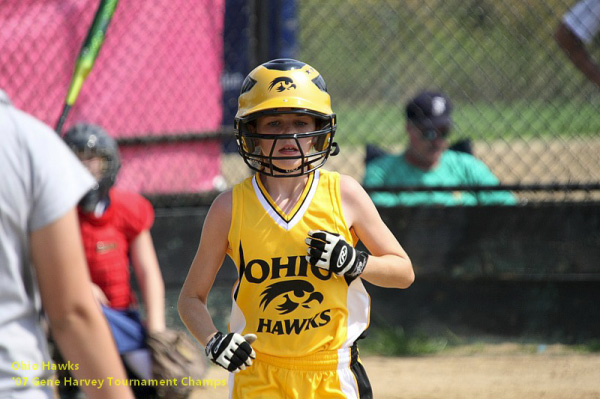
pixel 196 159
pixel 158 73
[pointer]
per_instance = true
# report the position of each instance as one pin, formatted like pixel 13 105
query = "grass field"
pixel 384 123
pixel 394 341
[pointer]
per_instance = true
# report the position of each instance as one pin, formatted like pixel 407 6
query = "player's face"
pixel 279 124
pixel 95 165
pixel 427 146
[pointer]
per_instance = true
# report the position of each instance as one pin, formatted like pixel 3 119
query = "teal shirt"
pixel 454 169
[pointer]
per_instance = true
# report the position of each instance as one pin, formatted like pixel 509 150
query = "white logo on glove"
pixel 342 258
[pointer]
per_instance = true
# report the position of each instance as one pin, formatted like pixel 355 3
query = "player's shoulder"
pixel 127 198
pixel 130 205
pixel 329 177
pixel 131 210
pixel 222 204
pixel 30 132
pixel 351 190
pixel 220 212
pixel 348 181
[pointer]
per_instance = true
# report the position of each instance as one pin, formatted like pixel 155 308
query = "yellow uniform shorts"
pixel 324 375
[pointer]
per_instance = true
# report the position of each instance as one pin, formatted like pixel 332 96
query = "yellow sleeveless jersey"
pixel 294 308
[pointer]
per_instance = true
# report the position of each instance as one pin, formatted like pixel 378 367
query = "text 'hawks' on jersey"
pixel 295 307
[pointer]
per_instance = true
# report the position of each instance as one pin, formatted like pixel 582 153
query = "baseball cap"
pixel 429 109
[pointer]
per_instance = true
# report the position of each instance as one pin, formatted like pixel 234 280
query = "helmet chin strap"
pixel 280 170
pixel 97 195
pixel 336 149
pixel 271 166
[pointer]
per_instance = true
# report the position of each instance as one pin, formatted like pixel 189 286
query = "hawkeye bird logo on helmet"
pixel 284 84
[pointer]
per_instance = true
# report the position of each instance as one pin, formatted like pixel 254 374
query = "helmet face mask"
pixel 97 163
pixel 90 142
pixel 284 86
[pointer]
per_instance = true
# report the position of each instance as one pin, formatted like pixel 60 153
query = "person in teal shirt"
pixel 428 162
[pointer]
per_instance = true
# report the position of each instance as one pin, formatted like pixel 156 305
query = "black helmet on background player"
pixel 284 86
pixel 88 141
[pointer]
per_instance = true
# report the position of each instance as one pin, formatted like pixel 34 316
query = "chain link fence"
pixel 519 102
pixel 170 70
pixel 530 115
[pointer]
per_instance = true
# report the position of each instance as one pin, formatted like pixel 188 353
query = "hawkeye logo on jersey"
pixel 284 82
pixel 294 292
pixel 287 295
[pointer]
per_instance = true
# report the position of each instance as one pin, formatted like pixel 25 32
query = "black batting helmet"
pixel 285 86
pixel 87 140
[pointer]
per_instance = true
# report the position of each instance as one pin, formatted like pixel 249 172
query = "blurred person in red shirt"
pixel 115 226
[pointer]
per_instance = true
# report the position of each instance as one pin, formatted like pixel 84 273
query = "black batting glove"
pixel 331 252
pixel 231 351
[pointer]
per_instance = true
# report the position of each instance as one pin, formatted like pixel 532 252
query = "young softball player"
pixel 299 304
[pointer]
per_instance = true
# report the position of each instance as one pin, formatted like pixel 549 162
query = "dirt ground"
pixel 503 371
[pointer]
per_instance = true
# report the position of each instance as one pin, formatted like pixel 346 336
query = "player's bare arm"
pixel 388 265
pixel 75 319
pixel 231 351
pixel 203 271
pixel 147 271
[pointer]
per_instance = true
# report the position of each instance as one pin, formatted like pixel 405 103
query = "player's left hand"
pixel 331 252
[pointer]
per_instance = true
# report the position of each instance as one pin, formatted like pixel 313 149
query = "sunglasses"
pixel 432 134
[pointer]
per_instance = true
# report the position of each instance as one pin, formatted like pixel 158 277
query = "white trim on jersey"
pixel 272 212
pixel 358 305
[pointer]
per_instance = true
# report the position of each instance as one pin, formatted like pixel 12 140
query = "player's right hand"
pixel 100 295
pixel 231 351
